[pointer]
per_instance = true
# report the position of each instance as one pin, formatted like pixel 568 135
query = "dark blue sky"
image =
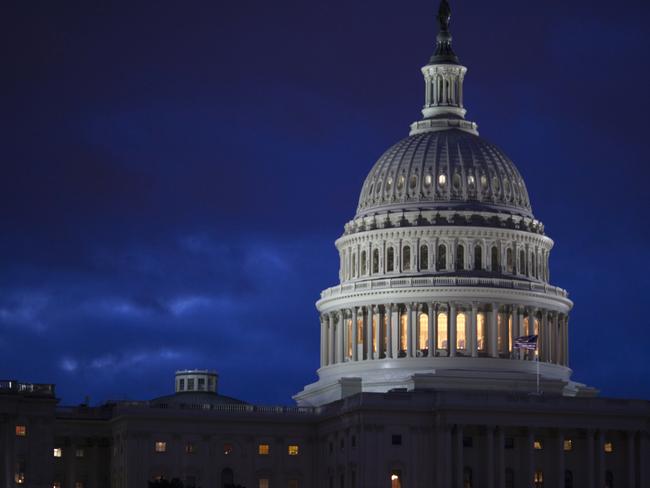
pixel 174 175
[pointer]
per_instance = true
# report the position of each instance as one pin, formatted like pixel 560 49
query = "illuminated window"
pixel 471 181
pixel 375 338
pixel 526 326
pixel 568 445
pixel 190 448
pixel 442 180
pixel 403 321
pixel 293 450
pixel 79 452
pixel 461 330
pixel 227 449
pixel 424 257
pixel 56 484
pixel 263 449
pixel 423 336
pixel 263 483
pixel 536 326
pixel 441 259
pixel 396 479
pixel 389 184
pixel 537 444
pixel 360 329
pixel 442 331
pixel 538 479
pixel 160 446
pixel 428 180
pixel 348 331
pixel 78 484
pixel 400 182
pixel 293 484
pixel 484 182
pixel 390 260
pixel 57 452
pixel 19 478
pixel 480 331
pixel 608 447
pixel 406 258
pixel 21 430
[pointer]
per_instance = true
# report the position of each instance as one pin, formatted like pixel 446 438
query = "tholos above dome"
pixel 444 170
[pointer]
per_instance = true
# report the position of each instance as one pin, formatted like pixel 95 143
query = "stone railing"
pixel 225 407
pixel 383 284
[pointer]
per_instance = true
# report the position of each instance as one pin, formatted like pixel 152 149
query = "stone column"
pixel 589 462
pixel 323 342
pixel 473 330
pixel 340 329
pixel 432 329
pixel 330 338
pixel 631 457
pixel 451 332
pixel 409 332
pixel 389 330
pixel 355 339
pixel 368 341
pixel 489 457
pixel 493 350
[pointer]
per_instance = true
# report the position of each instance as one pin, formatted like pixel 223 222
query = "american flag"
pixel 526 342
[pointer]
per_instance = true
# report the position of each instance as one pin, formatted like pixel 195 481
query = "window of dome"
pixel 413 182
pixel 506 187
pixel 389 183
pixel 442 179
pixel 484 182
pixel 495 184
pixel 428 180
pixel 471 181
pixel 370 190
pixel 456 181
pixel 400 182
pixel 378 190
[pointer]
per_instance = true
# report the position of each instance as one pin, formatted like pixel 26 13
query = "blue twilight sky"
pixel 174 175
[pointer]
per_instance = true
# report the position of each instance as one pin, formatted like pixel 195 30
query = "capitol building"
pixel 444 355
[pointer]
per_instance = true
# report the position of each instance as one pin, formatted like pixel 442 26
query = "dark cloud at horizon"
pixel 174 177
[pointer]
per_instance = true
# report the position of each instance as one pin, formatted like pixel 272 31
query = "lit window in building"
pixel 538 479
pixel 293 484
pixel 536 326
pixel 360 338
pixel 375 338
pixel 480 331
pixel 461 331
pixel 507 332
pixel 403 322
pixel 442 331
pixel 441 259
pixel 428 180
pixel 442 180
pixel 348 332
pixel 423 335
pixel 568 445
pixel 396 479
pixel 293 450
pixel 263 483
pixel 21 430
pixel 406 258
pixel 19 478
pixel 424 257
pixel 56 484
pixel 190 448
pixel 57 452
pixel 201 384
pixel 227 449
pixel 526 326
pixel 79 452
pixel 78 484
pixel 537 444
pixel 263 449
pixel 608 447
pixel 160 446
pixel 390 260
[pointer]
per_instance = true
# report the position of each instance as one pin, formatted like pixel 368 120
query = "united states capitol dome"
pixel 451 169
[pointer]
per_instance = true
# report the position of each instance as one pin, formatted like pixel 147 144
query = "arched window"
pixel 467 477
pixel 375 260
pixel 510 267
pixel 406 258
pixel 461 331
pixel 460 257
pixel 495 259
pixel 364 268
pixel 441 342
pixel 354 265
pixel 609 479
pixel 534 263
pixel 478 257
pixel 522 262
pixel 568 479
pixel 538 479
pixel 480 332
pixel 510 478
pixel 390 260
pixel 424 257
pixel 441 259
